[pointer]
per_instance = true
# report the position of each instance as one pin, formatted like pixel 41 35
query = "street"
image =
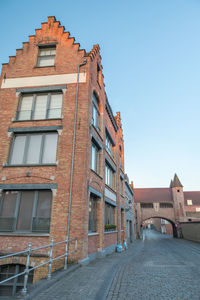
pixel 159 267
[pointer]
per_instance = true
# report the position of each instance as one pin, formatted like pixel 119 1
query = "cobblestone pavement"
pixel 165 269
pixel 159 267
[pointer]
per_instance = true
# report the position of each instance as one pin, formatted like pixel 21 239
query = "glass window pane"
pixel 25 211
pixel 44 204
pixel 93 158
pixel 55 106
pixel 33 155
pixel 25 109
pixel 18 150
pixel 46 61
pixel 9 204
pixel 50 148
pixel 40 107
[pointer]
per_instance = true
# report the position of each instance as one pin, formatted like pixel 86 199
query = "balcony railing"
pixel 28 253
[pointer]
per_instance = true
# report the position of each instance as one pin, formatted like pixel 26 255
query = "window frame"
pixel 17 208
pixel 97 158
pixel 26 148
pixel 110 214
pixel 95 110
pixel 189 202
pixel 34 102
pixel 109 146
pixel 110 176
pixel 46 47
pixel 92 219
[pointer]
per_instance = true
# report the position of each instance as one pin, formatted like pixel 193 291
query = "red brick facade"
pixel 21 75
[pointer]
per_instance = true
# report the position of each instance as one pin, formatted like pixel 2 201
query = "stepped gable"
pixel 94 52
pixel 150 195
pixel 51 32
pixel 194 196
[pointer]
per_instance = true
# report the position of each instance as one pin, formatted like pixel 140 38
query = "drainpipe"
pixel 73 154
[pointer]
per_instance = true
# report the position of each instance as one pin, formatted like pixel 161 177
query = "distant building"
pixel 171 204
pixel 129 210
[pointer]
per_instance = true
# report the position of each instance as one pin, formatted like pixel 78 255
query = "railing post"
pixel 76 245
pixel 66 254
pixel 50 259
pixel 24 290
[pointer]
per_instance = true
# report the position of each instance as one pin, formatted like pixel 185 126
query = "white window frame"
pixel 109 176
pixel 47 110
pixel 95 158
pixel 189 202
pixel 17 207
pixel 26 149
pixel 95 113
pixel 42 56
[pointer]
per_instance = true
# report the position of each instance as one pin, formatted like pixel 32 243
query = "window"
pixel 189 202
pixel 92 214
pixel 109 177
pixel 122 219
pixel 95 153
pixel 109 214
pixel 120 156
pixel 121 187
pixel 14 286
pixel 27 211
pixel 146 205
pixel 166 205
pixel 34 148
pixel 98 74
pixel 46 56
pixel 95 113
pixel 109 146
pixel 39 106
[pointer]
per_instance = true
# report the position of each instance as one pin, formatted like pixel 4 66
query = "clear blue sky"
pixel 151 57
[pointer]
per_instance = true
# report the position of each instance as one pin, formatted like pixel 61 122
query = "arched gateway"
pixel 165 203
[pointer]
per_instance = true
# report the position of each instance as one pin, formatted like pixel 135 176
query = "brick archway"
pixel 174 228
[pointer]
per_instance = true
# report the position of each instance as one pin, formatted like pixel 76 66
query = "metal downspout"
pixel 73 154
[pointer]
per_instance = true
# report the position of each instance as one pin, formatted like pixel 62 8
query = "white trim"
pixel 107 232
pixel 42 80
pixel 92 233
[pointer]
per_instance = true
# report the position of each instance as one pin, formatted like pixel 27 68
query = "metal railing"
pixel 29 250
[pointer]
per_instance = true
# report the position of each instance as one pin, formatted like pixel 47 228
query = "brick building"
pixel 61 152
pixel 129 210
pixel 171 204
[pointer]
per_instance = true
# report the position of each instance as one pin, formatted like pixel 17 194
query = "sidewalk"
pixel 88 282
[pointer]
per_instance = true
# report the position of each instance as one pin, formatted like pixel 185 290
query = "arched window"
pixel 95 113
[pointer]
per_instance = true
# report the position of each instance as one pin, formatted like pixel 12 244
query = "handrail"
pixel 29 250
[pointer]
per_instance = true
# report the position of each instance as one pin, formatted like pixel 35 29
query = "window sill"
pixel 112 231
pixel 52 66
pixel 110 156
pixel 93 233
pixel 36 165
pixel 23 234
pixel 96 174
pixel 97 131
pixel 107 186
pixel 33 120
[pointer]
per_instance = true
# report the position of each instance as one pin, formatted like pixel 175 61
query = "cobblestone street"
pixel 159 267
